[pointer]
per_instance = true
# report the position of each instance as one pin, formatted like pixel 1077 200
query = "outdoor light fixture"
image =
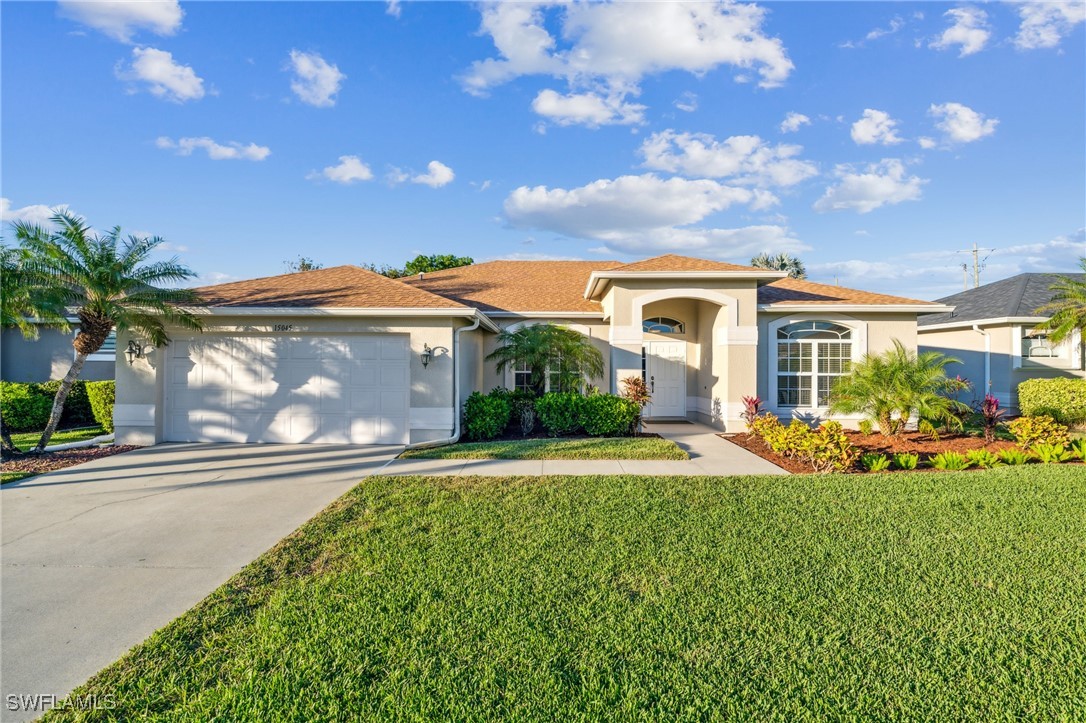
pixel 134 351
pixel 427 355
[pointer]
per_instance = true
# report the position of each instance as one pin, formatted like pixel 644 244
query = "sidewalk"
pixel 709 455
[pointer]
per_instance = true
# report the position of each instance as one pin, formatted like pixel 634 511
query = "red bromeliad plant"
pixel 991 415
pixel 752 407
pixel 636 390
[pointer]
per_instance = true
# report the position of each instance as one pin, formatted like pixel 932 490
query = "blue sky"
pixel 249 133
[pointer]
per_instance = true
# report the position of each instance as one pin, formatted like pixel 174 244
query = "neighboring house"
pixel 992 330
pixel 50 356
pixel 346 355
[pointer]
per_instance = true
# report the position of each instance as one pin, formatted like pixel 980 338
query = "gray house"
pixel 50 355
pixel 992 330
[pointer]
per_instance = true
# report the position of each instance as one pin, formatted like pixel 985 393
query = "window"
pixel 1039 346
pixel 552 380
pixel 108 351
pixel 663 325
pixel 810 356
pixel 522 377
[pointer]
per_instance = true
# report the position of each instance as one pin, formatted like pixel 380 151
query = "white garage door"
pixel 348 389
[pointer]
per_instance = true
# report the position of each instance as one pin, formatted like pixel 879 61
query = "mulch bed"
pixel 51 461
pixel 911 442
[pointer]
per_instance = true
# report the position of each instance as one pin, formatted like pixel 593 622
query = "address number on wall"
pixel 282 327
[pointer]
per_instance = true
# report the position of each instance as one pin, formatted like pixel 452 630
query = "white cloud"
pixel 744 159
pixel 687 102
pixel 876 126
pixel 164 78
pixel 1045 24
pixel 640 214
pixel 315 81
pixel 37 214
pixel 879 184
pixel 607 48
pixel 896 24
pixel 394 8
pixel 437 175
pixel 121 19
pixel 215 151
pixel 962 124
pixel 793 122
pixel 350 169
pixel 588 109
pixel 926 142
pixel 969 30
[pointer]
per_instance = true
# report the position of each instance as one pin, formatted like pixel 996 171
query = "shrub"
pixel 905 460
pixel 1078 448
pixel 991 416
pixel 752 407
pixel 102 396
pixel 828 448
pixel 636 390
pixel 874 462
pixel 765 426
pixel 950 461
pixel 1013 457
pixel 1062 399
pixel 1031 431
pixel 608 415
pixel 522 417
pixel 24 409
pixel 485 417
pixel 867 427
pixel 1050 453
pixel 560 413
pixel 982 458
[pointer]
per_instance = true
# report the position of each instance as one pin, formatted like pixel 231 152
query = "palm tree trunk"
pixel 59 400
pixel 7 445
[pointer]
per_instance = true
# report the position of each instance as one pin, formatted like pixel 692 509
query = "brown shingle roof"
pixel 517 285
pixel 674 262
pixel 339 286
pixel 785 292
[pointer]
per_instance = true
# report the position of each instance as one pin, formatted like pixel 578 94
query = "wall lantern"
pixel 427 355
pixel 134 351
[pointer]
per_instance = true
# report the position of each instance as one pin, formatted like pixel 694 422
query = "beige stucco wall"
pixel 1007 368
pixel 138 414
pixel 873 333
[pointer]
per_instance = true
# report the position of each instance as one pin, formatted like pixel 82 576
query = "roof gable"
pixel 677 263
pixel 337 287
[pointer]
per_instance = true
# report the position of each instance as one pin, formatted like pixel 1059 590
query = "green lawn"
pixel 559 448
pixel 26 440
pixel 924 596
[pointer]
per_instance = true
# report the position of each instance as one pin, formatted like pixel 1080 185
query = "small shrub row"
pixel 26 406
pixel 101 396
pixel 487 416
pixel 1042 429
pixel 826 449
pixel 1062 399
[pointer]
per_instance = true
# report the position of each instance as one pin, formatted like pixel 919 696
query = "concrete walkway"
pixel 97 557
pixel 709 455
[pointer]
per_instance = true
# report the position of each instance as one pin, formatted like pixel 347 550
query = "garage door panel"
pixel 354 389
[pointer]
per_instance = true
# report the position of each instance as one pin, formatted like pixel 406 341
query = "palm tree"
pixel 898 382
pixel 1068 307
pixel 549 348
pixel 780 262
pixel 25 305
pixel 111 283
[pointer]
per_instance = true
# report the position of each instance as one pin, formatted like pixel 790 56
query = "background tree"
pixel 549 349
pixel 437 262
pixel 111 283
pixel 780 262
pixel 26 305
pixel 303 263
pixel 1068 307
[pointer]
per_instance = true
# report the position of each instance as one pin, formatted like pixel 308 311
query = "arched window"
pixel 810 356
pixel 663 325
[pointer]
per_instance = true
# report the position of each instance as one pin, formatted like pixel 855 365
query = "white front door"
pixel 665 370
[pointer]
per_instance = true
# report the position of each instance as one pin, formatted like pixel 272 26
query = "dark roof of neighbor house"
pixel 1017 296
pixel 340 286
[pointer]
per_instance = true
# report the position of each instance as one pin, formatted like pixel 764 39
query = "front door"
pixel 665 372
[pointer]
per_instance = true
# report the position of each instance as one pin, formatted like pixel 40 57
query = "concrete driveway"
pixel 97 557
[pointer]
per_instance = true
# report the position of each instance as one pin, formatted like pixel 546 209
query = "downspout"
pixel 456 392
pixel 987 358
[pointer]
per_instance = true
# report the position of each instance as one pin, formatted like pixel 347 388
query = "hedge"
pixel 24 407
pixel 608 415
pixel 560 413
pixel 1062 399
pixel 102 395
pixel 485 416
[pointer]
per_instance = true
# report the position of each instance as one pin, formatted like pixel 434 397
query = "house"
pixel 346 355
pixel 51 355
pixel 992 329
